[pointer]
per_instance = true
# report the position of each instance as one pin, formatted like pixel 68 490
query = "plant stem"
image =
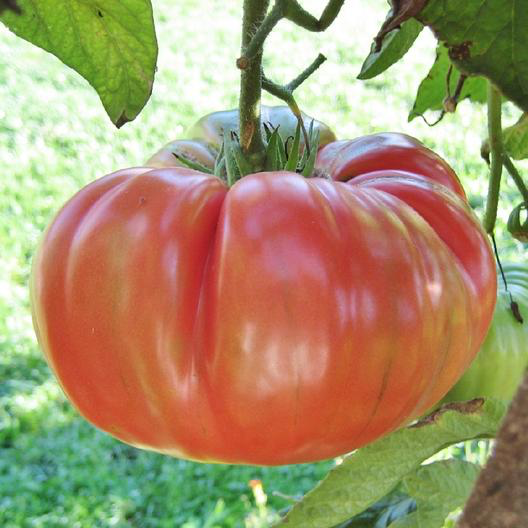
pixel 258 37
pixel 251 83
pixel 256 26
pixel 285 92
pixel 496 149
pixel 302 18
pixel 517 178
pixel 294 12
pixel 295 83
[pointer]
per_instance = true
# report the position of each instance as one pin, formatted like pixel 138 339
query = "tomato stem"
pixel 496 150
pixel 291 10
pixel 256 26
pixel 285 92
pixel 251 139
pixel 517 178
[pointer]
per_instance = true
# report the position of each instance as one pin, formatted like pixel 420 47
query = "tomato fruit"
pixel 501 362
pixel 281 320
pixel 206 135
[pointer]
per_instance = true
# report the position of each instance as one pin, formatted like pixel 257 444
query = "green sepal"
pixel 518 227
pixel 189 163
pixel 273 155
pixel 219 159
pixel 307 150
pixel 307 163
pixel 309 166
pixel 268 130
pixel 220 169
pixel 244 167
pixel 236 163
pixel 281 151
pixel 293 153
pixel 232 170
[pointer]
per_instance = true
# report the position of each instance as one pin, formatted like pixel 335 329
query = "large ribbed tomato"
pixel 283 320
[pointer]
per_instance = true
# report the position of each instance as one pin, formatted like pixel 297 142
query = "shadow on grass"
pixel 72 473
pixel 58 470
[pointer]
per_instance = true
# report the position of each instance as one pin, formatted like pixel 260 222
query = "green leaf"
pixel 440 488
pixel 394 46
pixel 371 472
pixel 485 37
pixel 410 521
pixel 433 89
pixel 515 138
pixel 111 44
pixel 395 511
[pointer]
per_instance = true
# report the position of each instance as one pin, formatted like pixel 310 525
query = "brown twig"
pixel 500 496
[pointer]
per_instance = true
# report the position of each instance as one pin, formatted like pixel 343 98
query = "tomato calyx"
pixel 291 154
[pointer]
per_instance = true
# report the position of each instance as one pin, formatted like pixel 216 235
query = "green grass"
pixel 55 469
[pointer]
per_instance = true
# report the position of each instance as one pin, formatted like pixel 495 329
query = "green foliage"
pixel 394 46
pixel 433 89
pixel 111 44
pixel 485 38
pixel 515 138
pixel 439 488
pixel 371 472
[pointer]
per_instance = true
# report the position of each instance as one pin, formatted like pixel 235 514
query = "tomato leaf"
pixel 411 521
pixel 396 510
pixel 485 37
pixel 515 138
pixel 111 44
pixel 394 46
pixel 440 488
pixel 374 470
pixel 433 89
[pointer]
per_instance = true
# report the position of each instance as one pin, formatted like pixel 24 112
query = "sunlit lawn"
pixel 55 469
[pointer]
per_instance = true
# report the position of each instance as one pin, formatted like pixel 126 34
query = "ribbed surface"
pixel 285 320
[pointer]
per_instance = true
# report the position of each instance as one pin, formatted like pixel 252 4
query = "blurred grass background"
pixel 55 469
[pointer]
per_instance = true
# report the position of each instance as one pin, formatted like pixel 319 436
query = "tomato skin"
pixel 282 320
pixel 207 134
pixel 502 360
pixel 346 159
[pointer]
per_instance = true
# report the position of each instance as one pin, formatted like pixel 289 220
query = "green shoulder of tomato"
pixel 503 358
pixel 205 136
